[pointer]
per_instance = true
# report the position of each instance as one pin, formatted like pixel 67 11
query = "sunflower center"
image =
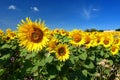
pixel 106 42
pixel 98 40
pixel 113 49
pixel 117 41
pixel 36 35
pixel 87 40
pixel 77 38
pixel 61 51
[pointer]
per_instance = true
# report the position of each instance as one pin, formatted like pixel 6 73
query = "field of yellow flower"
pixel 35 52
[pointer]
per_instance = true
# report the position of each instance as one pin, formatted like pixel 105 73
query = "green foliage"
pixel 95 63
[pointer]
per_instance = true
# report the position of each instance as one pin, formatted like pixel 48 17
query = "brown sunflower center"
pixel 61 51
pixel 106 42
pixel 87 40
pixel 98 40
pixel 113 49
pixel 77 38
pixel 117 41
pixel 36 35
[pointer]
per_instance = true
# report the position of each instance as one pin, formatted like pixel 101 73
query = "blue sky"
pixel 66 14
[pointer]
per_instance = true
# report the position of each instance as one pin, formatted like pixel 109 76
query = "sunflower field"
pixel 35 52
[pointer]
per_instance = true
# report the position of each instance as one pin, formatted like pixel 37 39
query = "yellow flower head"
pixel 97 39
pixel 10 34
pixel 88 40
pixel 32 35
pixel 1 32
pixel 117 41
pixel 62 52
pixel 114 49
pixel 63 32
pixel 52 45
pixel 107 40
pixel 56 31
pixel 77 37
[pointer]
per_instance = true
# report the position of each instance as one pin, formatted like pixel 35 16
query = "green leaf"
pixel 35 73
pixel 51 77
pixel 49 59
pixel 83 56
pixel 106 55
pixel 111 62
pixel 102 53
pixel 35 68
pixel 23 52
pixel 29 69
pixel 5 46
pixel 14 47
pixel 58 67
pixel 107 71
pixel 42 62
pixel 5 57
pixel 89 65
pixel 72 59
pixel 2 71
pixel 84 72
pixel 30 55
pixel 65 78
pixel 92 57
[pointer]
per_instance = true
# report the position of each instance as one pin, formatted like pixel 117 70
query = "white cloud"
pixel 34 9
pixel 12 7
pixel 94 9
pixel 89 12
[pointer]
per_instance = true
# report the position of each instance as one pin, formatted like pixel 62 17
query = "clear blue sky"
pixel 66 14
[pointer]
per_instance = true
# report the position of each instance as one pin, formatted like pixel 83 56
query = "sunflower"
pixel 33 35
pixel 77 37
pixel 1 32
pixel 56 31
pixel 52 45
pixel 114 49
pixel 62 52
pixel 117 41
pixel 63 32
pixel 107 40
pixel 88 40
pixel 10 34
pixel 97 39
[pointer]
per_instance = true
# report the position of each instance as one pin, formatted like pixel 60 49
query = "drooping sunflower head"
pixel 77 37
pixel 33 35
pixel 52 45
pixel 62 52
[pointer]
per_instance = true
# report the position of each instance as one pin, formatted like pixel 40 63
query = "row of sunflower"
pixel 34 52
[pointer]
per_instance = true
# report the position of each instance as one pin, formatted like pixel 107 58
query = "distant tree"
pixel 117 29
pixel 93 29
pixel 87 30
pixel 100 30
